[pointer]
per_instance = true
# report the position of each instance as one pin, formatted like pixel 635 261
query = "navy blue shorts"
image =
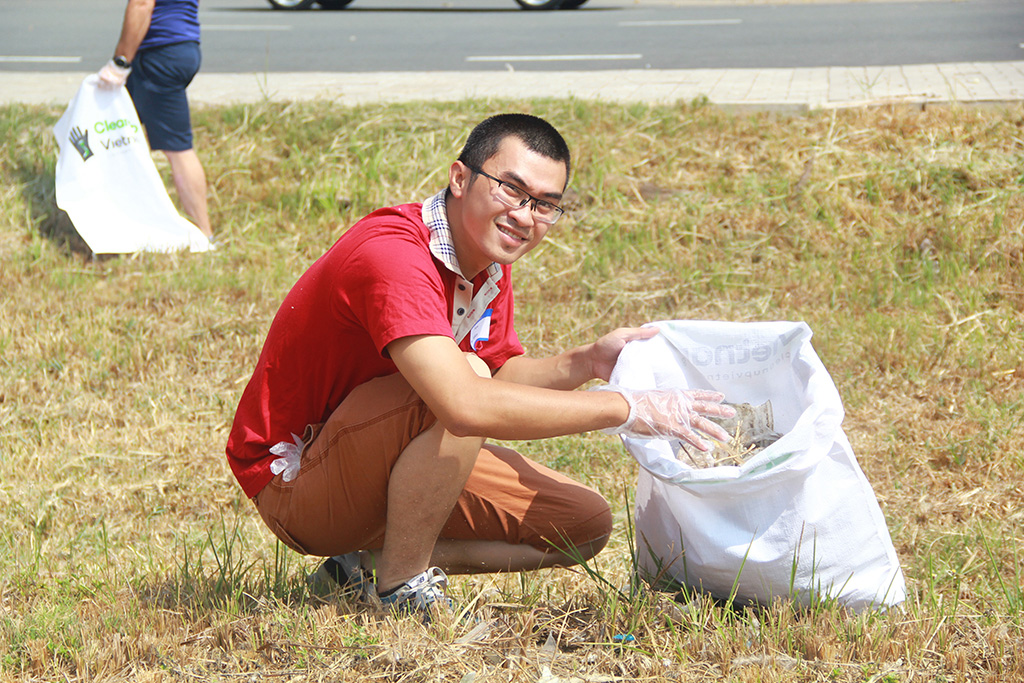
pixel 157 85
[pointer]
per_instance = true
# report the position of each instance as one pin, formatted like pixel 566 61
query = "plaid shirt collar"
pixel 435 215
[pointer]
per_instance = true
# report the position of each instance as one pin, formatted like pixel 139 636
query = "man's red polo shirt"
pixel 378 283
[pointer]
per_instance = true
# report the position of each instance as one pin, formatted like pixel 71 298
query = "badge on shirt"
pixel 481 331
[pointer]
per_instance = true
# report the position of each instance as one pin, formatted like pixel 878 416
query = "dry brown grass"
pixel 897 234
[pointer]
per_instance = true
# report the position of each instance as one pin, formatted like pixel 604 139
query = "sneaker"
pixel 342 573
pixel 420 594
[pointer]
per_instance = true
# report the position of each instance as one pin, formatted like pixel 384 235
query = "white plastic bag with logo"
pixel 798 519
pixel 107 182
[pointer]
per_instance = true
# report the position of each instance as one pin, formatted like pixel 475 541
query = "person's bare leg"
pixel 190 181
pixel 426 481
pixel 425 484
pixel 485 557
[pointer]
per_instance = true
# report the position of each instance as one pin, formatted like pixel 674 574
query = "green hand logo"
pixel 80 139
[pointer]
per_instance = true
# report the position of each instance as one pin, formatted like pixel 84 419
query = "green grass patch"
pixel 129 553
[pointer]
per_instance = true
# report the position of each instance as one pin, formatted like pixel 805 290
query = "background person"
pixel 157 57
pixel 362 432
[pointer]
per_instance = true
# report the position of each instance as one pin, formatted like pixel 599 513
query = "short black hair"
pixel 537 134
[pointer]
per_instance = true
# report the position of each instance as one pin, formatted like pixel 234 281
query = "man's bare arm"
pixel 137 16
pixel 469 405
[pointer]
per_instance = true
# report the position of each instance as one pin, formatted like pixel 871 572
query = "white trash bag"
pixel 107 182
pixel 798 519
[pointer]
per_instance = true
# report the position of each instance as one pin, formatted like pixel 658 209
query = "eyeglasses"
pixel 516 198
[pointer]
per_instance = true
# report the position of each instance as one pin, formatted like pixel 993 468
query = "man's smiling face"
pixel 484 229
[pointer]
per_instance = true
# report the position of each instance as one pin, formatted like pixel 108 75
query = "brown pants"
pixel 338 501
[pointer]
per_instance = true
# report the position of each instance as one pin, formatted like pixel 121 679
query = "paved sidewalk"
pixel 780 89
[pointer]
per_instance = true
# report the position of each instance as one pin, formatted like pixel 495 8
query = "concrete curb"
pixel 773 89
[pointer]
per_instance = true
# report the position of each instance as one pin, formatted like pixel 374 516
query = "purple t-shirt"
pixel 174 21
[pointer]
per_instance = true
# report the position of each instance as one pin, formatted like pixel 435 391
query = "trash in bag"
pixel 107 182
pixel 792 515
pixel 752 430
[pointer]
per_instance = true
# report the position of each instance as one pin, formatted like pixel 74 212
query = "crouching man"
pixel 362 435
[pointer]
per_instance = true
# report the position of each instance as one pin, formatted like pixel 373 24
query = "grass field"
pixel 127 552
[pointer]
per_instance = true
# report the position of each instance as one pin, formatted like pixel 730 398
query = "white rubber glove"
pixel 673 414
pixel 113 76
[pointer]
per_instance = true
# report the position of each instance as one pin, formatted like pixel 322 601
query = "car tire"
pixel 339 4
pixel 291 4
pixel 540 4
pixel 572 4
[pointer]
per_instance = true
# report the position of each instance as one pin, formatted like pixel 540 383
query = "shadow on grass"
pixel 52 222
pixel 222 571
pixel 201 595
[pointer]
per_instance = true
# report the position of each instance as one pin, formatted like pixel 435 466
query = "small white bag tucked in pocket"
pixel 798 519
pixel 107 181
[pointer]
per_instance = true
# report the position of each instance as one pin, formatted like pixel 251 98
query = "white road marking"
pixel 245 27
pixel 684 22
pixel 550 58
pixel 39 59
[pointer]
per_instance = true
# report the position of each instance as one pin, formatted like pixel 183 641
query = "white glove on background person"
pixel 673 414
pixel 112 75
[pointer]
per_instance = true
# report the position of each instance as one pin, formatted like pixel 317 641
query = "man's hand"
pixel 674 414
pixel 605 351
pixel 113 76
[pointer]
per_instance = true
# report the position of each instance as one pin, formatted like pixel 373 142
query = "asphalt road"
pixel 246 36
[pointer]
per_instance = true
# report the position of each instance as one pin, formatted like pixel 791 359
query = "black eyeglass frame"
pixel 559 211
